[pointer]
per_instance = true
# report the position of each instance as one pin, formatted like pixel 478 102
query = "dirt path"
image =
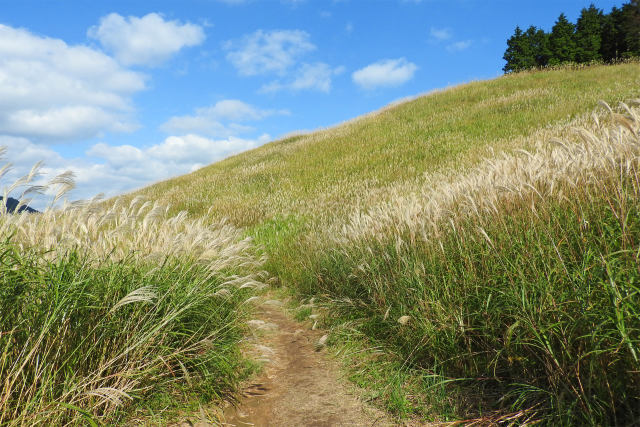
pixel 299 385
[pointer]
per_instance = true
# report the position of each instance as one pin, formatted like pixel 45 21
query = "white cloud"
pixel 385 73
pixel 149 40
pixel 316 76
pixel 233 109
pixel 126 167
pixel 458 46
pixel 116 169
pixel 440 34
pixel 268 52
pixel 202 124
pixel 209 120
pixel 51 91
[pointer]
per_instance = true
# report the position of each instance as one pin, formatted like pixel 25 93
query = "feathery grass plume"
pixel 104 304
pixel 519 277
pixel 144 294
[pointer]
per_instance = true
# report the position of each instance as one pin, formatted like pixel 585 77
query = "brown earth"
pixel 299 385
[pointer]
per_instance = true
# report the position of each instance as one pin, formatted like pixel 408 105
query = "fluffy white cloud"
pixel 458 46
pixel 115 169
pixel 316 76
pixel 210 120
pixel 268 52
pixel 126 167
pixel 440 34
pixel 149 40
pixel 385 73
pixel 52 91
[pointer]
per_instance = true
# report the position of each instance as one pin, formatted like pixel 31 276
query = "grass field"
pixel 475 256
pixel 499 283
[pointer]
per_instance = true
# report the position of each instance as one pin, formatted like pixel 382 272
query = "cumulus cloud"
pixel 126 167
pixel 116 169
pixel 55 92
pixel 440 34
pixel 316 76
pixel 149 40
pixel 175 155
pixel 265 52
pixel 211 120
pixel 384 73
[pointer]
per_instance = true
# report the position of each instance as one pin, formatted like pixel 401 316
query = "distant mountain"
pixel 12 204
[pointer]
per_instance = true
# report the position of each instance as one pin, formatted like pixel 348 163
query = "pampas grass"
pixel 102 305
pixel 520 278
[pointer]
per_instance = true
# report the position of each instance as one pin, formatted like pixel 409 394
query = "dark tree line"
pixel 595 36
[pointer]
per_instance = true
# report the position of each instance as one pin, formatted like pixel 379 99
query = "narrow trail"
pixel 299 384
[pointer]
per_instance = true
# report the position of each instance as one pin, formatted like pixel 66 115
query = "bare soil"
pixel 299 384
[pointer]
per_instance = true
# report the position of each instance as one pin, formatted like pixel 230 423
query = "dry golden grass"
pixel 605 143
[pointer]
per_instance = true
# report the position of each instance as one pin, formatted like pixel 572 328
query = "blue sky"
pixel 125 93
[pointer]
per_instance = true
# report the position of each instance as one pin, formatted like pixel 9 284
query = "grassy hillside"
pixel 331 171
pixel 484 248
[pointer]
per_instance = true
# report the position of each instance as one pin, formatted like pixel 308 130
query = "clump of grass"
pixel 104 305
pixel 516 284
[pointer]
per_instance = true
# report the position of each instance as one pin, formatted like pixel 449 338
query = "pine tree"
pixel 539 42
pixel 561 41
pixel 596 36
pixel 613 37
pixel 588 35
pixel 514 54
pixel 631 27
pixel 526 50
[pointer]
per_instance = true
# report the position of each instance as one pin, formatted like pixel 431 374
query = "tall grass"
pixel 104 305
pixel 508 279
pixel 517 284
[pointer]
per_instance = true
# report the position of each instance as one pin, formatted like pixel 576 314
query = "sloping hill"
pixel 331 170
pixel 474 255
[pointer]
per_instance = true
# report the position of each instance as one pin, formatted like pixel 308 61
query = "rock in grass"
pixel 404 320
pixel 321 342
pixel 272 303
